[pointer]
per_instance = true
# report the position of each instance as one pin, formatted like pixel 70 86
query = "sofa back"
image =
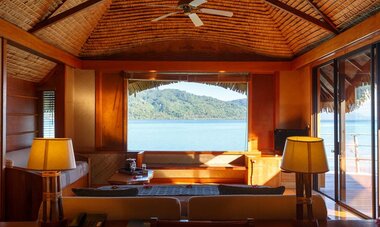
pixel 124 208
pixel 241 207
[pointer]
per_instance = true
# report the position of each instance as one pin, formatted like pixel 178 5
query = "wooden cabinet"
pixel 265 170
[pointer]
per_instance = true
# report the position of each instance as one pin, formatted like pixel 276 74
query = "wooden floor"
pixel 356 194
pixel 357 191
pixel 334 211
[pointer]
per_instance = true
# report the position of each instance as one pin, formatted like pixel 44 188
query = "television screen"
pixel 280 136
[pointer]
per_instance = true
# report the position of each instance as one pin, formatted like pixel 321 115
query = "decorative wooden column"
pixel 3 104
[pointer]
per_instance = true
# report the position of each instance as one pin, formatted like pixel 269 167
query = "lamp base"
pixel 306 223
pixel 62 223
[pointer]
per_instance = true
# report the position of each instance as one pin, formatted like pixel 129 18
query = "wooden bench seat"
pixel 195 167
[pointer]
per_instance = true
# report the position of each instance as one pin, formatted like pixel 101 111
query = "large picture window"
pixel 187 116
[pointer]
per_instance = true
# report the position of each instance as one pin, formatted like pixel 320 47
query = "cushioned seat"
pixel 240 207
pixel 70 176
pixel 124 208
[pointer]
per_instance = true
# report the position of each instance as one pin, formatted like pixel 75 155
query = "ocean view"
pixel 218 135
pixel 188 135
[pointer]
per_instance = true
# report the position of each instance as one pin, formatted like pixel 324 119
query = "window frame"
pixel 42 108
pixel 241 77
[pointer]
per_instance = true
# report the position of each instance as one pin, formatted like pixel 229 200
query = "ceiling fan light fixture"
pixel 190 9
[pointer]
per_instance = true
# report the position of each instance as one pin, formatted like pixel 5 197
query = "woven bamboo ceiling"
pixel 110 29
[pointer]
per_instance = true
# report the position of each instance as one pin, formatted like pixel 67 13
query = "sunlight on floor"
pixel 334 211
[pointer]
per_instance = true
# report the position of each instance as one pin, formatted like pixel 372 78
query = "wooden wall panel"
pixel 294 99
pixel 263 112
pixel 21 113
pixel 110 112
pixel 20 123
pixel 84 111
pixel 21 105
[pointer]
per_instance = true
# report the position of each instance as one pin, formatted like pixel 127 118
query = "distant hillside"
pixel 175 104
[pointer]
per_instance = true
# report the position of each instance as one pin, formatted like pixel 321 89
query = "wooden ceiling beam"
pixel 355 64
pixel 28 42
pixel 52 20
pixel 53 11
pixel 299 14
pixel 327 19
pixel 325 79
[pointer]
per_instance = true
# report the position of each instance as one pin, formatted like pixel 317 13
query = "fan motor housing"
pixel 186 8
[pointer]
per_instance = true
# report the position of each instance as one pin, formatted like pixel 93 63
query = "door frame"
pixel 375 94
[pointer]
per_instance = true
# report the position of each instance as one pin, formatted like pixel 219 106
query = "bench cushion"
pixel 123 208
pixel 94 192
pixel 245 190
pixel 240 207
pixel 70 176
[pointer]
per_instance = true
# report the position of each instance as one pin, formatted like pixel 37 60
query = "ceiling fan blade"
pixel 196 3
pixel 164 16
pixel 216 12
pixel 195 19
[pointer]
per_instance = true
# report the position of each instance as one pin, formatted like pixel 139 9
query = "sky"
pixel 205 90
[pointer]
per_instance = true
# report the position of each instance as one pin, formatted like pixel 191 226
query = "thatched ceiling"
pixel 124 28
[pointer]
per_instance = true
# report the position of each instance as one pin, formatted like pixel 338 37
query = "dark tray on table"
pixel 138 171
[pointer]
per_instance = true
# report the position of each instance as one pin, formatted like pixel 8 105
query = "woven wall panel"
pixel 26 66
pixel 25 14
pixel 72 32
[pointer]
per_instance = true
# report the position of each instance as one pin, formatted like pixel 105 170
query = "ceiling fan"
pixel 191 9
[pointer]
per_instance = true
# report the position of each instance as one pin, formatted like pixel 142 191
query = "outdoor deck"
pixel 357 193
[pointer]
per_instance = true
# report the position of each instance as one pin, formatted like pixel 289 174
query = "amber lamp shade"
pixel 51 155
pixel 303 154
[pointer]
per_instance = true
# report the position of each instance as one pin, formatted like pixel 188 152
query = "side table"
pixel 124 178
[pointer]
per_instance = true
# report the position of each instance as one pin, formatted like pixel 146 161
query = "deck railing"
pixel 355 163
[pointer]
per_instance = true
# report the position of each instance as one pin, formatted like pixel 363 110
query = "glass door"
pixel 346 120
pixel 355 132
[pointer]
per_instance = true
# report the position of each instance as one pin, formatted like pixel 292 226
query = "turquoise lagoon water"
pixel 222 135
pixel 187 135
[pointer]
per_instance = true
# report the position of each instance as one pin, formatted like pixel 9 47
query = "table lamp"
pixel 51 155
pixel 305 156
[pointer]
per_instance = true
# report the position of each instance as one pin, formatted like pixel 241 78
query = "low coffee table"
pixel 124 178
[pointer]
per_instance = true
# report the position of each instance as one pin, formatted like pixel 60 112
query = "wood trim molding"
pixel 125 114
pixel 363 34
pixel 3 120
pixel 33 44
pixel 186 66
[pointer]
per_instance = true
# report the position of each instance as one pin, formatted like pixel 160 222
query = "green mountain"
pixel 176 104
